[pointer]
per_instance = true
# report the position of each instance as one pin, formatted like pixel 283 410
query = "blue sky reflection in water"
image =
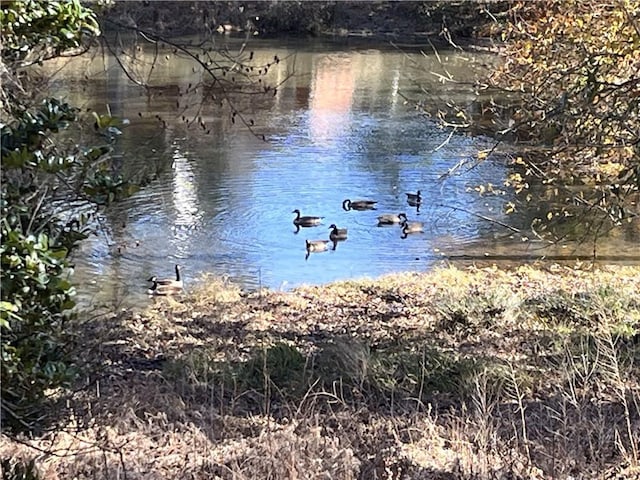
pixel 339 129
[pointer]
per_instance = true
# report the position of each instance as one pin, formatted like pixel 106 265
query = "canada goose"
pixel 392 219
pixel 359 204
pixel 337 233
pixel 411 227
pixel 306 221
pixel 317 245
pixel 163 290
pixel 169 281
pixel 414 198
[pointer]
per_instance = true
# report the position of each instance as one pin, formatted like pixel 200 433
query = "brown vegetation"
pixel 475 373
pixel 448 20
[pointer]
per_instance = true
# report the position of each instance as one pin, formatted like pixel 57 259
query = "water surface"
pixel 338 128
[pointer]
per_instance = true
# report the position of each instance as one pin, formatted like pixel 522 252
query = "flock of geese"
pixel 174 286
pixel 340 234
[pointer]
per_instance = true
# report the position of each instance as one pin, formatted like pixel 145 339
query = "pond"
pixel 338 128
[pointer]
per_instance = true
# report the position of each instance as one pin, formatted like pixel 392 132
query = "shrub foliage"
pixel 572 68
pixel 42 186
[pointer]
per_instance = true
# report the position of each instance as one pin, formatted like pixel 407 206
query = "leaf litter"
pixel 456 373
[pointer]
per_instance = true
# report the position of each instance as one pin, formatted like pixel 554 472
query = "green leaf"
pixel 59 254
pixel 8 306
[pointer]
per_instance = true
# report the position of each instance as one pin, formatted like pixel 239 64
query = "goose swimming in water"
pixel 337 233
pixel 359 204
pixel 307 221
pixel 163 290
pixel 317 245
pixel 411 227
pixel 177 282
pixel 392 219
pixel 414 198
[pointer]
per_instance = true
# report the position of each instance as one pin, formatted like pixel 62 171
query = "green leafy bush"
pixel 42 184
pixel 35 245
pixel 33 31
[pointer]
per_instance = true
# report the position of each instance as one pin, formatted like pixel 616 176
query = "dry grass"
pixel 455 374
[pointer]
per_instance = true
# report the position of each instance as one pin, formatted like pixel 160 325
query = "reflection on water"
pixel 337 129
pixel 188 215
pixel 332 90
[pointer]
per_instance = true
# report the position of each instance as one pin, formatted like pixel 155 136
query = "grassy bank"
pixel 476 373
